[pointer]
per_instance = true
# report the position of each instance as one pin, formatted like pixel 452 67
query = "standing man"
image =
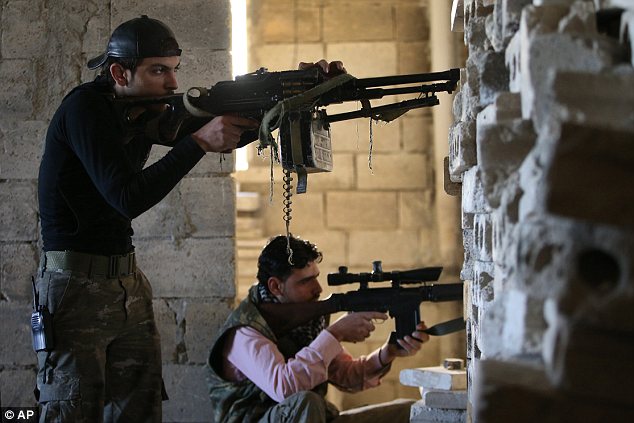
pixel 256 376
pixel 103 359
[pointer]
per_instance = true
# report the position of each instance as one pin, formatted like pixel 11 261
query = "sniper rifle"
pixel 402 304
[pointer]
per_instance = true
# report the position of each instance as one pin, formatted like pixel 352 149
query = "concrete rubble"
pixel 443 392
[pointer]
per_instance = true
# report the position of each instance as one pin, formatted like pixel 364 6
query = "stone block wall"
pixel 185 244
pixel 542 146
pixel 356 214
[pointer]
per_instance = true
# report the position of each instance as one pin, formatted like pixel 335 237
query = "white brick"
pixel 483 232
pixel 524 324
pixel 438 398
pixel 588 173
pixel 611 105
pixel 501 149
pixel 423 414
pixel 434 378
pixel 473 200
pixel 467 242
pixel 506 106
pixel 542 54
pixel 462 149
pixel 491 74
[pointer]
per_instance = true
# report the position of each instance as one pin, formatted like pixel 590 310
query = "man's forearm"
pixel 259 359
pixel 282 318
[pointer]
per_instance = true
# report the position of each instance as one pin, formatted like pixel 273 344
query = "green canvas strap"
pixel 272 118
pixel 92 264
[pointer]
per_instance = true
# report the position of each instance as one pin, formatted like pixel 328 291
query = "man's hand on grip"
pixel 222 133
pixel 355 327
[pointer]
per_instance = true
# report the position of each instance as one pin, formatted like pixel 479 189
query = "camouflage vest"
pixel 243 401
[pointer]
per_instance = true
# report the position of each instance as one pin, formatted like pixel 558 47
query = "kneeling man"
pixel 256 376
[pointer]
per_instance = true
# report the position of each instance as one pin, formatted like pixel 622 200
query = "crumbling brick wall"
pixel 185 244
pixel 542 146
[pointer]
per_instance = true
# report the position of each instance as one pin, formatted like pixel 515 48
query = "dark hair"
pixel 273 260
pixel 129 63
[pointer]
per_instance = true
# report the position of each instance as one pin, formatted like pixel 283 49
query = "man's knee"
pixel 307 398
pixel 305 406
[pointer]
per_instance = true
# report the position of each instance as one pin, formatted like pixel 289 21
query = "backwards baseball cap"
pixel 139 38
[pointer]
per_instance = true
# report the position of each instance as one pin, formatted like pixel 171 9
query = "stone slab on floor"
pixel 420 413
pixel 440 398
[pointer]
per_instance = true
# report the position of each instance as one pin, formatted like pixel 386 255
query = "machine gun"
pixel 402 304
pixel 292 101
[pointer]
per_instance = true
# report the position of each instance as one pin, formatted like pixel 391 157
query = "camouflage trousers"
pixel 106 361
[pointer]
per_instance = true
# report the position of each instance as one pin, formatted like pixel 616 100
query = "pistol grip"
pixel 406 321
pixel 392 340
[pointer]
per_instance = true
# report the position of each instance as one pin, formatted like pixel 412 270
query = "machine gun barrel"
pixel 380 81
pixel 403 106
pixel 365 88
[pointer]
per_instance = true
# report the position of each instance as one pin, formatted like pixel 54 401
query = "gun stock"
pixel 284 317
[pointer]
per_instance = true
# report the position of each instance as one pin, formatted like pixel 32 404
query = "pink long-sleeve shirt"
pixel 248 354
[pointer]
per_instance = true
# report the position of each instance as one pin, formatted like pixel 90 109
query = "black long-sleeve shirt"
pixel 92 182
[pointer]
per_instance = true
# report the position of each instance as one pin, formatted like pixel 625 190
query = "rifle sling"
pixel 271 119
pixel 298 155
pixel 447 327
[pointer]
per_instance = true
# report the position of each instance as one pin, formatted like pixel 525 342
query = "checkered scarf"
pixel 302 335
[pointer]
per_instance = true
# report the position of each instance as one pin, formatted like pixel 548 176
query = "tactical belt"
pixel 91 264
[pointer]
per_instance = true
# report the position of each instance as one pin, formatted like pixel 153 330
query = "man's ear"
pixel 118 74
pixel 275 285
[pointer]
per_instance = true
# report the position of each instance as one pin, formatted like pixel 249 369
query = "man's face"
pixel 153 77
pixel 301 286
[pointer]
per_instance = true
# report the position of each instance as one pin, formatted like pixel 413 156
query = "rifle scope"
pixel 423 274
